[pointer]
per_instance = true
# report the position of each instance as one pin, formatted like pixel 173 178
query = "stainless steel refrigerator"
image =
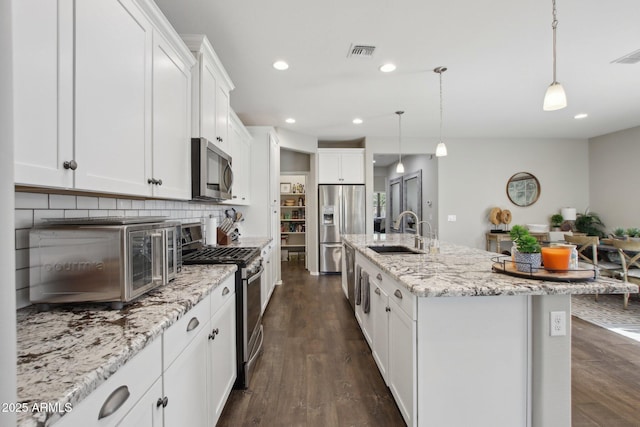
pixel 341 211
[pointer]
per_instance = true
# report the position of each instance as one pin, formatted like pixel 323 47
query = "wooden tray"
pixel 504 265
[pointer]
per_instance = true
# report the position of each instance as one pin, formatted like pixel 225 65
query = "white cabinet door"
pixel 113 48
pixel 352 168
pixel 222 118
pixel 239 141
pixel 207 96
pixel 171 122
pixel 43 97
pixel 329 167
pixel 267 276
pixel 147 412
pixel 341 166
pixel 380 328
pixel 401 373
pixel 185 385
pixel 222 358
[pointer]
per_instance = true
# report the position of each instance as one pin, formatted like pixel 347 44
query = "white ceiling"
pixel 498 53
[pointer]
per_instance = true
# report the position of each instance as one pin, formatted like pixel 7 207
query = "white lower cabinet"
pixel 128 394
pixel 183 378
pixel 269 262
pixel 390 329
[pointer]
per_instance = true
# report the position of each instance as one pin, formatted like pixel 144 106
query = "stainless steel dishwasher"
pixel 350 260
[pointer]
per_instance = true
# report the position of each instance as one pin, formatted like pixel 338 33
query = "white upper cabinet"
pixel 113 60
pixel 89 116
pixel 211 87
pixel 43 84
pixel 171 121
pixel 341 166
pixel 240 140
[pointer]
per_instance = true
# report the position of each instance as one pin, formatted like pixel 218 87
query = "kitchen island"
pixel 460 345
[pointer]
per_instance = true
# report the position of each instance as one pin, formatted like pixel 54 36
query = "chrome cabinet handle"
pixel 114 401
pixel 379 276
pixel 159 182
pixel 193 323
pixel 377 291
pixel 162 401
pixel 387 309
pixel 398 294
pixel 70 164
pixel 225 291
pixel 154 181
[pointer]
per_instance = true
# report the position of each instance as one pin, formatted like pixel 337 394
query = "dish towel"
pixel 358 294
pixel 366 293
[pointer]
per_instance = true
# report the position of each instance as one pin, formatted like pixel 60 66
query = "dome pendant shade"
pixel 441 150
pixel 554 98
pixel 400 168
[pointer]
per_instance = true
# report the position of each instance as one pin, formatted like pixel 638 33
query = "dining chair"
pixel 629 251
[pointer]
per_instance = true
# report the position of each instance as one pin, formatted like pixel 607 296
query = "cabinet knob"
pixel 377 291
pixel 212 335
pixel 159 182
pixel 379 276
pixel 398 294
pixel 162 401
pixel 225 291
pixel 387 309
pixel 70 164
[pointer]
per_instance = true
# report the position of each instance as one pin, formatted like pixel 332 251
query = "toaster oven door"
pixel 145 261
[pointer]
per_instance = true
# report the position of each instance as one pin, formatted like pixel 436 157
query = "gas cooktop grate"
pixel 221 255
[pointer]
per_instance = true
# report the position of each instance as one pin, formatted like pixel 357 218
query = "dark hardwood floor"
pixel 317 370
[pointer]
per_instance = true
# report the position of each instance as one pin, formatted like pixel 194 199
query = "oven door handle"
pixel 255 276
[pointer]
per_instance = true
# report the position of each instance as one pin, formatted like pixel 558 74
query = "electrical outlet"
pixel 451 218
pixel 558 323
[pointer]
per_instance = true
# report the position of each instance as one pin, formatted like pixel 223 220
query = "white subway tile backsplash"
pixel 22 298
pixel 137 204
pixel 40 214
pixel 31 200
pixel 115 212
pixel 87 202
pixel 61 201
pixel 107 203
pixel 123 204
pixel 79 213
pixel 22 278
pixel 96 213
pixel 22 258
pixel 131 213
pixel 22 238
pixel 149 204
pixel 24 218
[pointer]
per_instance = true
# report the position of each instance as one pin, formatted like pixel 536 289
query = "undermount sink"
pixel 394 250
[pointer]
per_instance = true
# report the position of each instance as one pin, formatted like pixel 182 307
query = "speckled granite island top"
pixel 460 271
pixel 66 353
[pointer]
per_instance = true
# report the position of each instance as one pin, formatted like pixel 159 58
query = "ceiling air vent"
pixel 361 51
pixel 630 58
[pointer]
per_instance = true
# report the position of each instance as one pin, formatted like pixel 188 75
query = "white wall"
pixel 7 244
pixel 613 184
pixel 473 177
pixel 297 141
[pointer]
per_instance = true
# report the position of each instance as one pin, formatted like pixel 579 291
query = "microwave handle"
pixel 228 172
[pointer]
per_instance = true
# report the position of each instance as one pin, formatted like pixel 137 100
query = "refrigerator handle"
pixel 342 211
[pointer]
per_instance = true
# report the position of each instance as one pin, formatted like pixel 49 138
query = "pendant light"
pixel 400 167
pixel 441 149
pixel 554 98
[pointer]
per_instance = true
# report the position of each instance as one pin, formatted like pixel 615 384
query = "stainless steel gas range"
pixel 249 333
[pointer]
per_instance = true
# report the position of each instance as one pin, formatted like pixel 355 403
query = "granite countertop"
pixel 251 242
pixel 461 271
pixel 66 353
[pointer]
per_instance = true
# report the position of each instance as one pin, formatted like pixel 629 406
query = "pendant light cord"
pixel 400 113
pixel 440 105
pixel 554 26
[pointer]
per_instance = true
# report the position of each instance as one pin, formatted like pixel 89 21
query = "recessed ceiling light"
pixel 357 121
pixel 581 116
pixel 280 65
pixel 290 120
pixel 387 68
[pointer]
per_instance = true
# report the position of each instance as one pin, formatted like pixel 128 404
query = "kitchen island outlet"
pixel 460 345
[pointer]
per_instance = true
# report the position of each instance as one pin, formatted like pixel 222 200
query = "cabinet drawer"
pixel 225 291
pixel 121 391
pixel 179 335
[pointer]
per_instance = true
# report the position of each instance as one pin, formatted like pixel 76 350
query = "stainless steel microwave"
pixel 101 259
pixel 211 171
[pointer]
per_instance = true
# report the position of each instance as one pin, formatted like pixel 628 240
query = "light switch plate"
pixel 451 218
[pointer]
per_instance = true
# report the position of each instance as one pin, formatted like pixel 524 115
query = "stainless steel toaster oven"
pixel 102 259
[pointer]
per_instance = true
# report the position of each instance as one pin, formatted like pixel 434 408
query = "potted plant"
pixel 633 233
pixel 527 254
pixel 618 233
pixel 590 224
pixel 556 222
